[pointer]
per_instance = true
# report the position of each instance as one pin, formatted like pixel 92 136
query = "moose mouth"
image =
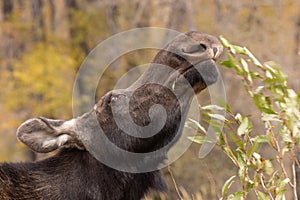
pixel 197 77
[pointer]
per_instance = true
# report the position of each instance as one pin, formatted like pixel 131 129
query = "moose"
pixel 83 166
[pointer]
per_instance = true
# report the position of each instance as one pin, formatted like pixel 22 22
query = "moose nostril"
pixel 215 50
pixel 113 99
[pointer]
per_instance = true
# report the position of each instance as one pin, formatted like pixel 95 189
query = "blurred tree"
pixel 40 84
pixel 43 79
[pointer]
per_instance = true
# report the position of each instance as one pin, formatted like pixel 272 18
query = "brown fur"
pixel 75 172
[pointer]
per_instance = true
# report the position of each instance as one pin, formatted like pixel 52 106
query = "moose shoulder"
pixel 76 171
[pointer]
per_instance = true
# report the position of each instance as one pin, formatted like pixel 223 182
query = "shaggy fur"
pixel 75 172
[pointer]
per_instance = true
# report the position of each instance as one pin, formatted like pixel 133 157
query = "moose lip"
pixel 192 66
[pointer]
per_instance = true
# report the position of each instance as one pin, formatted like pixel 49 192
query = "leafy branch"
pixel 279 107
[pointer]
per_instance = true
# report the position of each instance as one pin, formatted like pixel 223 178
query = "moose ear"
pixel 45 135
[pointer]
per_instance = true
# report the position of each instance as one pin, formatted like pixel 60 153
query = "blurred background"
pixel 43 43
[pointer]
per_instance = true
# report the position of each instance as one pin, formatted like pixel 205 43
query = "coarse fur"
pixel 76 171
pixel 71 175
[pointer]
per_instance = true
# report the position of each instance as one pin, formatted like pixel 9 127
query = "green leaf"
pixel 275 72
pixel 246 70
pixel 250 185
pixel 227 63
pixel 268 167
pixel 224 41
pixel 224 105
pixel 242 164
pixel 243 127
pixel 199 126
pixel 281 189
pixel 238 117
pixel 263 103
pixel 253 148
pixel 217 116
pixel 237 195
pixel 262 196
pixel 199 139
pixel 231 62
pixel 255 75
pixel 280 196
pixel 253 58
pixel 271 117
pixel 284 182
pixel 230 153
pixel 212 107
pixel 236 141
pixel 286 137
pixel 245 65
pixel 228 109
pixel 262 139
pixel 267 110
pixel 215 124
pixel 238 49
pixel 227 185
pixel 298 141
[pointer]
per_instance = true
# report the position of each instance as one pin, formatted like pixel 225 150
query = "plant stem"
pixel 175 184
pixel 264 186
pixel 294 179
pixel 295 164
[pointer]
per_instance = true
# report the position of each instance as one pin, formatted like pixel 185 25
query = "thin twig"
pixel 264 186
pixel 280 161
pixel 280 158
pixel 230 154
pixel 174 182
pixel 256 193
pixel 294 179
pixel 212 181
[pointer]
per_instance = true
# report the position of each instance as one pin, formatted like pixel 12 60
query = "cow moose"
pixel 76 171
